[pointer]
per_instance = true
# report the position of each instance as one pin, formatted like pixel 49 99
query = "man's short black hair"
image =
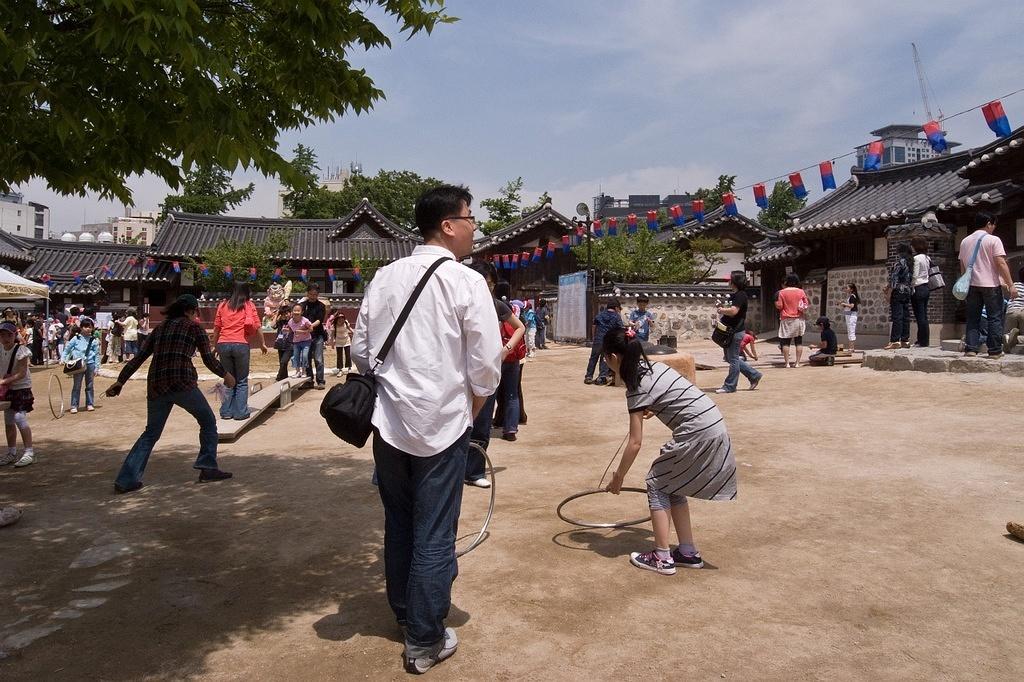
pixel 981 219
pixel 614 304
pixel 642 298
pixel 313 286
pixel 437 204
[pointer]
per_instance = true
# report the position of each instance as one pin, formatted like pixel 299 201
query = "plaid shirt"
pixel 172 346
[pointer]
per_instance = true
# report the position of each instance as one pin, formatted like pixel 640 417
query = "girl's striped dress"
pixel 698 461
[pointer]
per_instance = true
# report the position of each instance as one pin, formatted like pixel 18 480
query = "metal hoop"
pixel 490 509
pixel 57 414
pixel 587 524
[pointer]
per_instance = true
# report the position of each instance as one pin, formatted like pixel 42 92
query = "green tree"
pixel 706 253
pixel 93 91
pixel 241 256
pixel 305 197
pixel 368 267
pixel 712 196
pixel 206 190
pixel 781 202
pixel 392 192
pixel 638 258
pixel 503 210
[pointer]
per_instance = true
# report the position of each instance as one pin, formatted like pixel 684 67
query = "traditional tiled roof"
pixel 13 251
pixel 774 251
pixel 534 220
pixel 992 154
pixel 366 212
pixel 884 196
pixel 71 289
pixel 188 235
pixel 976 196
pixel 715 290
pixel 715 219
pixel 60 260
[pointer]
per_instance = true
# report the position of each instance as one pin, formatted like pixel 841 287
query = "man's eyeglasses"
pixel 470 218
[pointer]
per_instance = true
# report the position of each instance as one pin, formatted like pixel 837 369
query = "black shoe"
pixel 601 381
pixel 995 355
pixel 588 381
pixel 130 489
pixel 242 419
pixel 508 436
pixel 209 475
pixel 687 560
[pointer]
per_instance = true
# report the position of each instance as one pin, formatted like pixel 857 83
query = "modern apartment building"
pixel 23 218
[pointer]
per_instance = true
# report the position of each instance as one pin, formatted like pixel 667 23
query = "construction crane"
pixel 922 81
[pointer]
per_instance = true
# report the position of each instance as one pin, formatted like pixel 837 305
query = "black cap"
pixel 823 320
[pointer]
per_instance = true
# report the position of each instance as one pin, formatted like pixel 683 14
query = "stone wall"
pixel 873 315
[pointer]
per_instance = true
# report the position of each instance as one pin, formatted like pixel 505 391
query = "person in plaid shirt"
pixel 172 380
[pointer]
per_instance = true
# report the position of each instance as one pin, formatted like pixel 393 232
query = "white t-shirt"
pixel 920 269
pixel 23 352
pixel 131 328
pixel 985 273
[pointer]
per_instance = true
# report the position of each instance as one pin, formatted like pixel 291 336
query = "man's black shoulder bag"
pixel 348 407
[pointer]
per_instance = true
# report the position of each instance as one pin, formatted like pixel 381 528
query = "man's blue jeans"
pixel 595 355
pixel 422 497
pixel 508 388
pixel 157 411
pixel 316 354
pixel 991 299
pixel 235 358
pixel 476 467
pixel 76 387
pixel 737 364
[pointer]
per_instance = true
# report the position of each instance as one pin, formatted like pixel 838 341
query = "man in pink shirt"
pixel 989 271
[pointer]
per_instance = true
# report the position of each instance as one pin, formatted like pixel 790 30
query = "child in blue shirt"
pixel 608 319
pixel 85 347
pixel 640 319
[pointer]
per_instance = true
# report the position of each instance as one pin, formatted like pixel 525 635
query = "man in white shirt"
pixel 990 269
pixel 444 363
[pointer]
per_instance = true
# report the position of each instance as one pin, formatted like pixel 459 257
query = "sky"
pixel 645 97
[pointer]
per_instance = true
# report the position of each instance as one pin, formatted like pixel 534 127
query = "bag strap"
pixel 14 354
pixel 404 315
pixel 974 256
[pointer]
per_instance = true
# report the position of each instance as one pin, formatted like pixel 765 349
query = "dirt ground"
pixel 867 541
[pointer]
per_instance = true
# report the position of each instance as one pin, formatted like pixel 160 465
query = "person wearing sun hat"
pixel 16 387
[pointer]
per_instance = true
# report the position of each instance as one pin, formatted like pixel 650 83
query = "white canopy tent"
pixel 14 287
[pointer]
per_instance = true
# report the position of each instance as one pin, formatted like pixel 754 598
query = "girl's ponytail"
pixel 634 364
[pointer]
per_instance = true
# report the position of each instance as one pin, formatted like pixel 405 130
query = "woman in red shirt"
pixel 236 322
pixel 792 303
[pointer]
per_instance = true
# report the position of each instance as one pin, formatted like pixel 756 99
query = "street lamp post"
pixel 583 210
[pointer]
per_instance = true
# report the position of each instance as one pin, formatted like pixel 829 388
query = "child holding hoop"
pixel 697 462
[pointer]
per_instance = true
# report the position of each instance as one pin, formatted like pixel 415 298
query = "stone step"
pixel 934 360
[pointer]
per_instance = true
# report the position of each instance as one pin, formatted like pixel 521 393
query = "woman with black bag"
pixel 899 292
pixel 734 318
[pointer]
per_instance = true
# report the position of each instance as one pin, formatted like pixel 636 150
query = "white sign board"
pixel 571 316
pixel 103 320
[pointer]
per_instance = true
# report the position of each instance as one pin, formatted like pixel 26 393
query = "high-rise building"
pixel 333 179
pixel 137 227
pixel 902 144
pixel 23 219
pixel 606 206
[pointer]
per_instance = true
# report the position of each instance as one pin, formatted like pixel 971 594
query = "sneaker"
pixel 321 387
pixel 906 344
pixel 25 460
pixel 74 410
pixel 11 515
pixel 418 666
pixel 209 475
pixel 892 346
pixel 971 354
pixel 996 355
pixel 121 490
pixel 479 483
pixel 755 383
pixel 722 390
pixel 8 458
pixel 588 381
pixel 601 381
pixel 508 436
pixel 687 560
pixel 649 561
pixel 90 408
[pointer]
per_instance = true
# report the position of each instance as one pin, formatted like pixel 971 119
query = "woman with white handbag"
pixel 922 292
pixel 81 360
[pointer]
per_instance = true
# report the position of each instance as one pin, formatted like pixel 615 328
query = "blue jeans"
pixel 316 354
pixel 899 310
pixel 991 299
pixel 235 358
pixel 595 356
pixel 422 497
pixel 476 467
pixel 300 354
pixel 738 365
pixel 76 386
pixel 508 388
pixel 157 411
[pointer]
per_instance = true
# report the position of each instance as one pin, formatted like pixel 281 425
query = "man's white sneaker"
pixel 90 408
pixel 74 410
pixel 8 458
pixel 418 666
pixel 25 460
pixel 480 483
